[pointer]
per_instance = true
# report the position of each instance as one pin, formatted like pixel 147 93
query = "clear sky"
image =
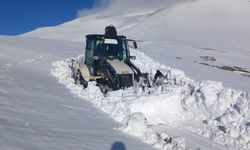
pixel 20 16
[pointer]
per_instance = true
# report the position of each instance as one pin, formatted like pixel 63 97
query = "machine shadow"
pixel 118 146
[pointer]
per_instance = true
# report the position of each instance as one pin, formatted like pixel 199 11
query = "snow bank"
pixel 134 123
pixel 203 107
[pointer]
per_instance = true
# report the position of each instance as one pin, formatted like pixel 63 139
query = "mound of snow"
pixel 218 113
pixel 134 123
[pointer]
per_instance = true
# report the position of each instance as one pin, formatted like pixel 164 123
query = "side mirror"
pixel 132 57
pixel 135 44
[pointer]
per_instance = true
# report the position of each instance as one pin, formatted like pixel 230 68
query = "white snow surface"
pixel 203 107
pixel 171 29
pixel 38 113
pixel 198 109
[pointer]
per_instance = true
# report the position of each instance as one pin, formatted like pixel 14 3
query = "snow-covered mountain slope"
pixel 36 112
pixel 208 39
pixel 120 13
pixel 214 33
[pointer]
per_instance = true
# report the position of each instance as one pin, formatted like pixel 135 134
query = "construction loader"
pixel 107 61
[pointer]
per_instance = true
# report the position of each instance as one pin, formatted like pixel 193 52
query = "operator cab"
pixel 106 46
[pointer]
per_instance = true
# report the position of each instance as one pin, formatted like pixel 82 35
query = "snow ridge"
pixel 215 112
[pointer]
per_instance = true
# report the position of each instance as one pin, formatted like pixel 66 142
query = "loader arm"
pixel 110 73
pixel 136 70
pixel 139 74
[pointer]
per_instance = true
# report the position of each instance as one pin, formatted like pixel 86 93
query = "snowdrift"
pixel 203 107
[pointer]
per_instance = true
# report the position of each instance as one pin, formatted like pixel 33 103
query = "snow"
pixel 176 29
pixel 218 113
pixel 185 100
pixel 200 107
pixel 36 112
pixel 115 105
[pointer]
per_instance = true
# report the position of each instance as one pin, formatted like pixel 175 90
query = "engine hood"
pixel 120 67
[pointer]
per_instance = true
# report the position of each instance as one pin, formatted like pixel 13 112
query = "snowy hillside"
pixel 36 112
pixel 202 46
pixel 203 38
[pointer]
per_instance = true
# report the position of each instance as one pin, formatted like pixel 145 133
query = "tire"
pixel 80 80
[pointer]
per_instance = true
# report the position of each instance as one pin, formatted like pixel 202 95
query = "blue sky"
pixel 20 16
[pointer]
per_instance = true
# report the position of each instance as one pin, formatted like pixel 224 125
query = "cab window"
pixel 89 51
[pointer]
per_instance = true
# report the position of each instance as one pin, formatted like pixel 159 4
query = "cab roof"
pixel 105 36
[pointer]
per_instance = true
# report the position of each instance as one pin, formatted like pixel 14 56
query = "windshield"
pixel 113 48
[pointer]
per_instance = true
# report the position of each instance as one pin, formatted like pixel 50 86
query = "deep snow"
pixel 184 29
pixel 37 113
pixel 202 107
pixel 198 110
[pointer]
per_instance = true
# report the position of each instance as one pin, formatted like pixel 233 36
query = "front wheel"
pixel 79 80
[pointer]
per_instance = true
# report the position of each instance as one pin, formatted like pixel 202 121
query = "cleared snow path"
pixel 38 113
